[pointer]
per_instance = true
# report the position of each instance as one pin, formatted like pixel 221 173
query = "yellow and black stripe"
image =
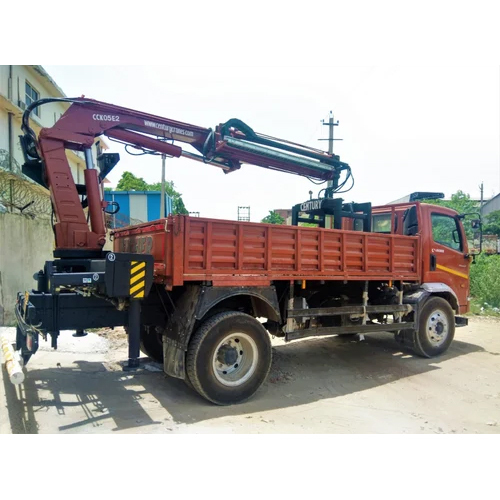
pixel 137 279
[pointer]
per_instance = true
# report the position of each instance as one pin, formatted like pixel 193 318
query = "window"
pixel 381 223
pixel 358 225
pixel 31 96
pixel 446 231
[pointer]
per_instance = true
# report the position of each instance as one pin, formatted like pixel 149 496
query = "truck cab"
pixel 445 257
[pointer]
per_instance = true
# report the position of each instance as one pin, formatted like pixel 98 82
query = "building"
pixel 286 213
pixel 491 205
pixel 136 207
pixel 26 235
pixel 19 87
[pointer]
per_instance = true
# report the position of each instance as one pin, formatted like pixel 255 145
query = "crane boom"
pixel 228 146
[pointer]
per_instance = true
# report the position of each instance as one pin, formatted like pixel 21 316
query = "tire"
pixel 228 358
pixel 436 328
pixel 188 383
pixel 151 344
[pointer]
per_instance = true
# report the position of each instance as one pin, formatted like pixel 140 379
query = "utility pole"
pixel 330 139
pixel 162 195
pixel 481 205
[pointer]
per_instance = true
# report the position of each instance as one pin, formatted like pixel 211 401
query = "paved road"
pixel 329 385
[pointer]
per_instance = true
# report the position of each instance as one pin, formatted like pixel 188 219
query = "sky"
pixel 403 128
pixel 416 89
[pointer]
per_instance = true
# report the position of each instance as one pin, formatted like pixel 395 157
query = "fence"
pixel 19 194
pixel 22 196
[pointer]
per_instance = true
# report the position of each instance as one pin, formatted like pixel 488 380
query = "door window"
pixel 446 231
pixel 381 223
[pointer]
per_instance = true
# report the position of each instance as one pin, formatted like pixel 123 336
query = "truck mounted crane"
pixel 189 291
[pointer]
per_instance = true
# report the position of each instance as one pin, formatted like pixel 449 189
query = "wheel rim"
pixel 235 359
pixel 437 327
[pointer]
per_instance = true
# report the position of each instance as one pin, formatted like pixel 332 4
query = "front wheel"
pixel 436 328
pixel 229 358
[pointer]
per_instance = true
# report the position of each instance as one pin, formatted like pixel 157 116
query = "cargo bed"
pixel 231 253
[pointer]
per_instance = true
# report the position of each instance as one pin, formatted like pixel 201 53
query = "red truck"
pixel 202 296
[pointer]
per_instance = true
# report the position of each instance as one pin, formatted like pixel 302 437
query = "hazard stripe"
pixel 138 267
pixel 137 277
pixel 452 271
pixel 139 295
pixel 137 287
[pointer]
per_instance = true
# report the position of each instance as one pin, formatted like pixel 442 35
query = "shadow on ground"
pixel 302 372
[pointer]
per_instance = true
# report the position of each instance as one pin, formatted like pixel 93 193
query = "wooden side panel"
pixel 353 254
pixel 332 252
pixel 243 253
pixel 224 241
pixel 234 248
pixel 379 253
pixel 253 252
pixel 283 249
pixel 406 257
pixel 196 245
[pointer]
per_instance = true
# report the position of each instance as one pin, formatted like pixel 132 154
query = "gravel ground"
pixel 328 385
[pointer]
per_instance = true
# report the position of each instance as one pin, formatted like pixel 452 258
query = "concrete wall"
pixel 25 245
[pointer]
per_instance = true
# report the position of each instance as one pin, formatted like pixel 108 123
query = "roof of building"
pixel 41 71
pixel 486 203
pixel 59 92
pixel 134 192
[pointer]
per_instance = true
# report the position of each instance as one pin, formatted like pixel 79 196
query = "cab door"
pixel 447 260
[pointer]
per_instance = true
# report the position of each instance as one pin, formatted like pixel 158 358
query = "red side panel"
pixel 242 253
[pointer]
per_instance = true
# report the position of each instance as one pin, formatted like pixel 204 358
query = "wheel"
pixel 436 328
pixel 188 383
pixel 152 344
pixel 228 358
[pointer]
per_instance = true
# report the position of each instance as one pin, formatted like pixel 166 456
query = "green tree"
pixel 462 203
pixel 459 201
pixel 129 182
pixel 273 218
pixel 491 224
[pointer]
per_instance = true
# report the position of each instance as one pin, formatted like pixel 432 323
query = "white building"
pixel 19 87
pixel 491 205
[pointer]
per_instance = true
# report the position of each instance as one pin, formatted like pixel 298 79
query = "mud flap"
pixel 179 328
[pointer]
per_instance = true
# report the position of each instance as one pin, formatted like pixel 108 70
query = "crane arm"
pixel 228 146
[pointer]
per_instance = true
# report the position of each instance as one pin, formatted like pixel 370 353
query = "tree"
pixel 491 223
pixel 129 182
pixel 273 218
pixel 460 202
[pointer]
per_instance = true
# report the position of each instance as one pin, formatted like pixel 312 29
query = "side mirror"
pixel 477 225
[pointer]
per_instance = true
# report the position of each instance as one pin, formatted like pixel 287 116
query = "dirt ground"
pixel 328 385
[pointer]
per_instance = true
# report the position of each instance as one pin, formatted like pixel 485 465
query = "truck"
pixel 204 296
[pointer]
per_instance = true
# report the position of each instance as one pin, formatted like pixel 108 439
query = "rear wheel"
pixel 151 343
pixel 229 358
pixel 436 328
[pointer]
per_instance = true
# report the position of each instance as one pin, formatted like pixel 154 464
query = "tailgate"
pixel 152 238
